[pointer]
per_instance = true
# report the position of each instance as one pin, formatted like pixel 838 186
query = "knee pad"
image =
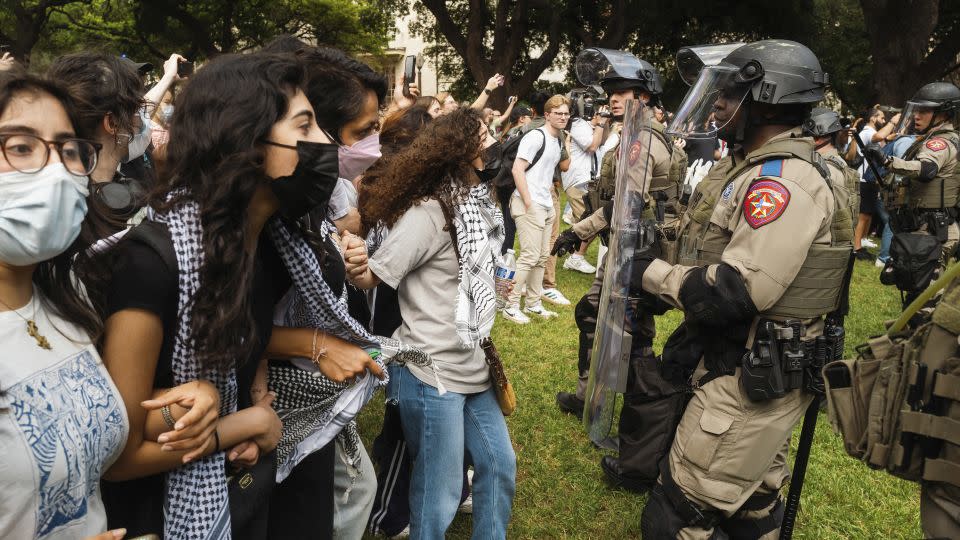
pixel 761 515
pixel 585 314
pixel 661 521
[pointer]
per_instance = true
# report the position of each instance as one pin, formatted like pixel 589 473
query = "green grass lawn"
pixel 560 488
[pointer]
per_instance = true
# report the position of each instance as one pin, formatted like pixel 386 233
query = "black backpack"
pixel 509 148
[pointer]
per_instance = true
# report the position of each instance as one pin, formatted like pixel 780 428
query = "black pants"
pixel 509 226
pixel 302 505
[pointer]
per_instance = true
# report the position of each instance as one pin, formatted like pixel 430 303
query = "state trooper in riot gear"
pixel 829 136
pixel 758 268
pixel 624 78
pixel 929 168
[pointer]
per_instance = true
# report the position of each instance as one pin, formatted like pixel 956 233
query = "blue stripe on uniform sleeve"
pixel 772 168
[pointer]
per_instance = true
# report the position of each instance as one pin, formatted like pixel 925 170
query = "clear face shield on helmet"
pixel 690 60
pixel 714 100
pixel 914 111
pixel 593 64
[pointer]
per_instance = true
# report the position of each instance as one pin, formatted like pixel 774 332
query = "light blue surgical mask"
pixel 40 213
pixel 166 112
pixel 140 141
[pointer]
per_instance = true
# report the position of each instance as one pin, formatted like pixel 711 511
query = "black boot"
pixel 570 404
pixel 618 478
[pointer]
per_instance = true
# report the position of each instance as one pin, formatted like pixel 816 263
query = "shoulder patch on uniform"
pixel 936 144
pixel 634 154
pixel 727 191
pixel 765 203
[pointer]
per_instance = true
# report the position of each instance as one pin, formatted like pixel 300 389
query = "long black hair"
pixel 60 291
pixel 215 157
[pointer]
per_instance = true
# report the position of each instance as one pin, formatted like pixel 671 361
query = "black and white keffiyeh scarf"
pixel 309 403
pixel 479 226
pixel 196 505
pixel 314 409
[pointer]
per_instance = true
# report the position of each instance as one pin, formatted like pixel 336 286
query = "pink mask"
pixel 356 159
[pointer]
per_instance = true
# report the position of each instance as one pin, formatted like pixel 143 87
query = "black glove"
pixel 567 242
pixel 876 157
pixel 641 261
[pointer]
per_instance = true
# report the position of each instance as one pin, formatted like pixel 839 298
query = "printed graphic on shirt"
pixel 72 422
pixel 765 203
pixel 936 144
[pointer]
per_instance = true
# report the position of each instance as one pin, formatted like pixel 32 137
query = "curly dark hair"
pixel 401 128
pixel 216 153
pixel 437 164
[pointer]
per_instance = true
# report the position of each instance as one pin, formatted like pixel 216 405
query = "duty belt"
pixel 781 362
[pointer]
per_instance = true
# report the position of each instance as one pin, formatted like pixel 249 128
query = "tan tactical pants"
pixel 727 447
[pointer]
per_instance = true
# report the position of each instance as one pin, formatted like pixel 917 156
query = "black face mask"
pixel 312 182
pixel 492 161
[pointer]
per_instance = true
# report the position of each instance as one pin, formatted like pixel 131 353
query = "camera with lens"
pixel 585 102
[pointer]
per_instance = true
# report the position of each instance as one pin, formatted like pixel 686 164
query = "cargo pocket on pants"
pixel 702 445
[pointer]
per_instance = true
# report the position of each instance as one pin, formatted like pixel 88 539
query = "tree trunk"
pixel 899 34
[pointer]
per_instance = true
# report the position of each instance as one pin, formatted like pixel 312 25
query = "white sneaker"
pixel 554 297
pixel 601 253
pixel 879 264
pixel 466 507
pixel 541 311
pixel 514 314
pixel 577 263
pixel 868 243
pixel 405 533
pixel 568 219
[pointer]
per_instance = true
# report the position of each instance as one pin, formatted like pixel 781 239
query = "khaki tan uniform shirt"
pixel 936 149
pixel 639 177
pixel 769 238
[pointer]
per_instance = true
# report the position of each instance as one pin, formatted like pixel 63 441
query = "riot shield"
pixel 629 232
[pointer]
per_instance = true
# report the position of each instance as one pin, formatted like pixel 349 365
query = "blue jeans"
pixel 886 235
pixel 439 430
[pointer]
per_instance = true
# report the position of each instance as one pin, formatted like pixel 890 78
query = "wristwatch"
pixel 487 91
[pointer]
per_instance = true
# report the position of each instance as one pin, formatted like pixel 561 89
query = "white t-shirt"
pixel 540 176
pixel 612 141
pixel 62 424
pixel 866 137
pixel 339 205
pixel 581 161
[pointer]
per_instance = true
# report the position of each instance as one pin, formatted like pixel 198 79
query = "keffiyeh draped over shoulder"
pixel 314 409
pixel 479 227
pixel 196 504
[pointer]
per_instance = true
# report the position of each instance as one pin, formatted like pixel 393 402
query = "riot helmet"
pixel 822 122
pixel 774 72
pixel 936 97
pixel 615 71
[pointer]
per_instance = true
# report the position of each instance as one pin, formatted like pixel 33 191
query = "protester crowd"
pixel 203 282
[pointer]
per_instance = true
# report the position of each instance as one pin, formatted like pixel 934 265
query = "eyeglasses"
pixel 560 113
pixel 28 153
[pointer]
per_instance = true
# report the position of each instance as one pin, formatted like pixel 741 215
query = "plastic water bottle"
pixel 503 276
